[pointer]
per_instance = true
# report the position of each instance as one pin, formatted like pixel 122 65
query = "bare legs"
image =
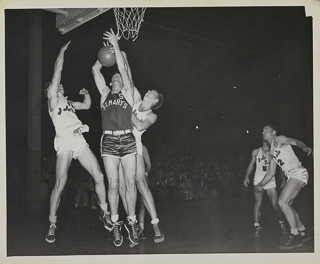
pixel 273 196
pixel 112 166
pixel 287 196
pixel 62 167
pixel 257 205
pixel 272 193
pixel 90 163
pixel 143 188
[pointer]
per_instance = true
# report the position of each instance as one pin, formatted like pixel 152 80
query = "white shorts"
pixel 75 143
pixel 299 173
pixel 269 185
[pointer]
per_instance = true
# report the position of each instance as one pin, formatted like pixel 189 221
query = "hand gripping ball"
pixel 105 57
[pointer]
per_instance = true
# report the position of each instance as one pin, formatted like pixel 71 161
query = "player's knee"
pixel 113 186
pixel 59 185
pixel 142 186
pixel 98 178
pixel 130 184
pixel 122 190
pixel 282 203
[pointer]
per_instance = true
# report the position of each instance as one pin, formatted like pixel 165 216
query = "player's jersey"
pixel 262 163
pixel 64 117
pixel 141 116
pixel 116 112
pixel 285 158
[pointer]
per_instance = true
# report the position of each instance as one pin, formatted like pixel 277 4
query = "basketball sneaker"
pixel 51 236
pixel 117 236
pixel 140 236
pixel 283 228
pixel 132 229
pixel 158 234
pixel 305 235
pixel 106 219
pixel 257 231
pixel 294 241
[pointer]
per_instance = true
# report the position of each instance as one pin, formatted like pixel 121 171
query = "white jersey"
pixel 285 158
pixel 64 117
pixel 141 116
pixel 262 166
pixel 262 163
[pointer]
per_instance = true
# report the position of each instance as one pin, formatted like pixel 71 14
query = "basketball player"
pixel 297 177
pixel 261 157
pixel 118 145
pixel 69 143
pixel 142 118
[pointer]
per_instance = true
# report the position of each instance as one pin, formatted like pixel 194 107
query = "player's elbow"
pixel 86 106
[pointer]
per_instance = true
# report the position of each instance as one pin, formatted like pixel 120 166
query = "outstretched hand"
pixel 110 37
pixel 64 47
pixel 308 150
pixel 83 91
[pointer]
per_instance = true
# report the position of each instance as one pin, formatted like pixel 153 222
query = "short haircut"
pixel 159 103
pixel 273 128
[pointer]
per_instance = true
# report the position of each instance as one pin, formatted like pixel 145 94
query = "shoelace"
pixel 106 216
pixel 52 229
pixel 116 231
pixel 289 240
pixel 157 230
pixel 134 228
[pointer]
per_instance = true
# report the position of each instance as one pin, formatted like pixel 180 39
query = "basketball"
pixel 105 57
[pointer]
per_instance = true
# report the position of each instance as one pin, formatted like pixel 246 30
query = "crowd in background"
pixel 179 173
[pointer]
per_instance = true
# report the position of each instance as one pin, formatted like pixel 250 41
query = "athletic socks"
pixel 114 218
pixel 155 221
pixel 294 231
pixel 53 219
pixel 132 218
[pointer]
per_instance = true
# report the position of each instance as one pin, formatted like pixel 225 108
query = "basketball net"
pixel 129 21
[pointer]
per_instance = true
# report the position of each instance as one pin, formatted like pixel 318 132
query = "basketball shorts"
pixel 118 146
pixel 75 143
pixel 299 173
pixel 269 185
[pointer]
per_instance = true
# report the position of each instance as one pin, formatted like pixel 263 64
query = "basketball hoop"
pixel 129 21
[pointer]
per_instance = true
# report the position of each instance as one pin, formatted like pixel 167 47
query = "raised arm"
pixel 136 93
pixel 150 119
pixel 86 104
pixel 123 69
pixel 99 79
pixel 55 81
pixel 283 140
pixel 57 70
pixel 250 167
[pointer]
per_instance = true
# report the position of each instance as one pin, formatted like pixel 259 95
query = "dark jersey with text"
pixel 116 112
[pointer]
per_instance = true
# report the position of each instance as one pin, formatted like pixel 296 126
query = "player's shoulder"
pixel 280 139
pixel 255 151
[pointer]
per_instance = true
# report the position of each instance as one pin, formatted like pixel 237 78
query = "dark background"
pixel 228 71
